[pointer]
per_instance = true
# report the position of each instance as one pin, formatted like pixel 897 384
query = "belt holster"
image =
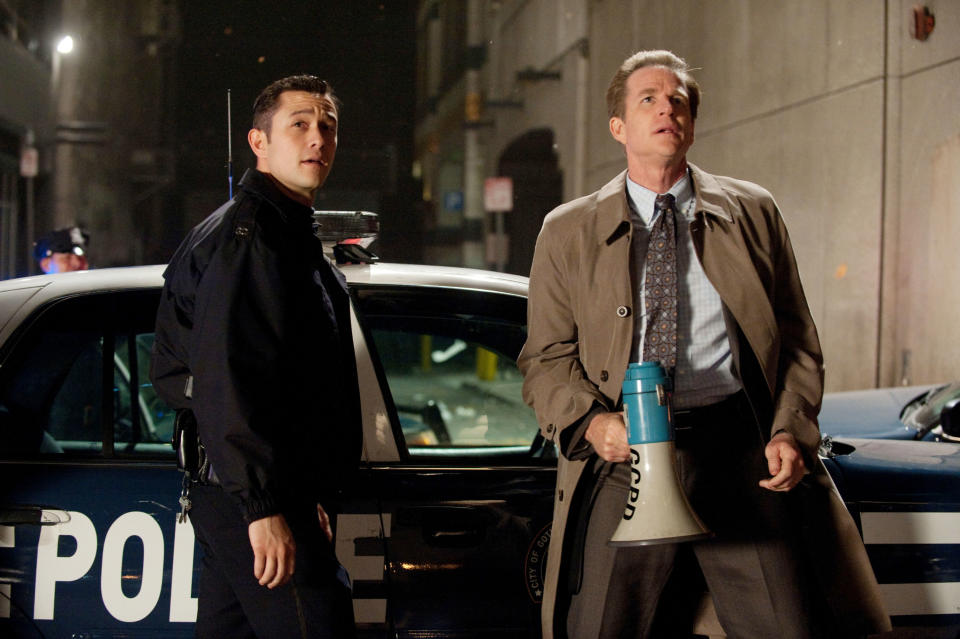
pixel 191 455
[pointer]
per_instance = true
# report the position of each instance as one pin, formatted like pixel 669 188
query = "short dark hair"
pixel 616 92
pixel 266 103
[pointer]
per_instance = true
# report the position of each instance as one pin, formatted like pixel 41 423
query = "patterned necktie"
pixel 660 288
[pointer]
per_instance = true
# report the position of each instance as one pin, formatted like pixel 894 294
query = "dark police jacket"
pixel 260 319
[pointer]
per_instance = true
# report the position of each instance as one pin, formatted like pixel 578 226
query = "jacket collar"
pixel 613 212
pixel 711 198
pixel 293 212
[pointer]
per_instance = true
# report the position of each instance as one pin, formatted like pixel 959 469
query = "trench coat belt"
pixel 711 414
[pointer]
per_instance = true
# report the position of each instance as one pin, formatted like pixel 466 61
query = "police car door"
pixel 89 543
pixel 466 509
pixel 905 496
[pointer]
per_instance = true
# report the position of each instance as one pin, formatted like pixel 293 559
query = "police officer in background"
pixel 253 339
pixel 62 250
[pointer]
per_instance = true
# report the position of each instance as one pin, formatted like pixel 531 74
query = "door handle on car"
pixel 455 537
pixel 449 526
pixel 32 515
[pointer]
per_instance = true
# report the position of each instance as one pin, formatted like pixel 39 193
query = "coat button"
pixel 604 376
pixel 549 429
pixel 623 311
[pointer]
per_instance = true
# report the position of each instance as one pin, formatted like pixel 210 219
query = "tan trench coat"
pixel 581 322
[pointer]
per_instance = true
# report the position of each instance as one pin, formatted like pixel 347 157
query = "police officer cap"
pixel 67 240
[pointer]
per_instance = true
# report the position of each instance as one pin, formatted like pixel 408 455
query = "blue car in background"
pixel 446 526
pixel 894 454
pixel 900 412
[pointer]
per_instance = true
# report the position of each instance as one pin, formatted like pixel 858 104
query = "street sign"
pixel 453 200
pixel 498 194
pixel 28 162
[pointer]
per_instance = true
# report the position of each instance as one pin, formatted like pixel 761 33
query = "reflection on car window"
pixel 76 383
pixel 923 413
pixel 152 420
pixel 449 357
pixel 453 392
pixel 76 409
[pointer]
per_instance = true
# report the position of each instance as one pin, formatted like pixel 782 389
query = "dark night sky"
pixel 364 48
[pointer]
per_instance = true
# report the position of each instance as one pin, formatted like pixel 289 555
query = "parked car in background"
pixel 445 528
pixel 895 456
pixel 899 412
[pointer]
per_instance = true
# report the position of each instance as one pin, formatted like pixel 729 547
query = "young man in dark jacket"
pixel 253 337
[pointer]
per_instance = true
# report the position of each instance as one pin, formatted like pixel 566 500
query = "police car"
pixel 895 456
pixel 920 413
pixel 445 528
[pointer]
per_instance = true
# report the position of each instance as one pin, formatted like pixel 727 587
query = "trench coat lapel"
pixel 613 213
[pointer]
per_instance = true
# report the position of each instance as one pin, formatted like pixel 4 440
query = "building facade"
pixel 100 119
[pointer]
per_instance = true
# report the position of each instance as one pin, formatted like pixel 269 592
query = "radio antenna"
pixel 229 148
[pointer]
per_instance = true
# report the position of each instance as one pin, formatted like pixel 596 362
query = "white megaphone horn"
pixel 657 510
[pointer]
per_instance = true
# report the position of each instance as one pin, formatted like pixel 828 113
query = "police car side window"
pixel 76 412
pixel 449 359
pixel 143 422
pixel 74 383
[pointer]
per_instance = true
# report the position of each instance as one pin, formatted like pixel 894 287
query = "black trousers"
pixel 754 567
pixel 316 602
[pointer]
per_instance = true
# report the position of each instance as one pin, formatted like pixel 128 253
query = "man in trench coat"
pixel 787 560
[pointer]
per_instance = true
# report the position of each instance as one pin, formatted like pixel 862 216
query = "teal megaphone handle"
pixel 646 404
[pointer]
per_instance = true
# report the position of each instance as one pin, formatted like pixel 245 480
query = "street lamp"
pixel 65 45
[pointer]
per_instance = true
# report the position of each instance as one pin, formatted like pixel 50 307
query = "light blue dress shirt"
pixel 704 373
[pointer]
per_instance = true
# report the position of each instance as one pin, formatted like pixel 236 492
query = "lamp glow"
pixel 65 45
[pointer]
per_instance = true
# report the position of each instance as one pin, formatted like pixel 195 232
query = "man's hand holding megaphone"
pixel 607 432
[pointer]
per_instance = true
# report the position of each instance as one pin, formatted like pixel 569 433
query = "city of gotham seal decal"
pixel 535 564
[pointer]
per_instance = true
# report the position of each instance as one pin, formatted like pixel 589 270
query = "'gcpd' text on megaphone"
pixel 657 510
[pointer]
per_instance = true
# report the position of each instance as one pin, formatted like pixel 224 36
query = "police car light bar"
pixel 346 235
pixel 336 226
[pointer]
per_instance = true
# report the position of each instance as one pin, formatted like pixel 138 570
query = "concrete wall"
pixel 110 155
pixel 27 107
pixel 543 35
pixel 921 283
pixel 560 28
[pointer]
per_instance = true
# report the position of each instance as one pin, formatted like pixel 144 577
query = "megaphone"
pixel 657 510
